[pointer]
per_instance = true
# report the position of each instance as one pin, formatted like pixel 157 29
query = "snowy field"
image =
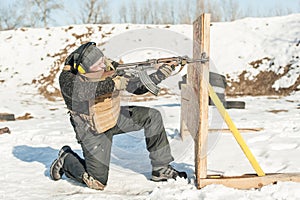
pixel 27 153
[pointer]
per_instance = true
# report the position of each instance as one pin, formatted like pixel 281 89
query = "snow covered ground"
pixel 26 154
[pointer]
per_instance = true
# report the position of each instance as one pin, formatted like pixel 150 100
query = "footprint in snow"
pixel 282 146
pixel 259 139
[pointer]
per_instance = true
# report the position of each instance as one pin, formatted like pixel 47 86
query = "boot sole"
pixel 158 179
pixel 51 168
pixel 92 183
pixel 63 152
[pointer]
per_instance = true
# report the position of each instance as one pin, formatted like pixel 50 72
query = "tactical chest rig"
pixel 103 110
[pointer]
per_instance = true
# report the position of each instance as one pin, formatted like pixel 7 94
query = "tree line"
pixel 39 13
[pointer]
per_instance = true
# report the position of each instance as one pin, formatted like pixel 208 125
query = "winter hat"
pixel 85 56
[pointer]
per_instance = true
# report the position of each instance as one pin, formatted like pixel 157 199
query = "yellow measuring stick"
pixel 235 131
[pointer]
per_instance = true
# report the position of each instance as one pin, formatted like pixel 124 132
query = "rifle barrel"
pixel 160 60
pixel 198 60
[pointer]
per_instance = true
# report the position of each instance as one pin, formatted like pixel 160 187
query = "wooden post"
pixel 200 75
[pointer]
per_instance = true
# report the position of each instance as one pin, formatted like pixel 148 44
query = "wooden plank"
pixel 227 130
pixel 249 181
pixel 184 111
pixel 200 80
pixel 189 111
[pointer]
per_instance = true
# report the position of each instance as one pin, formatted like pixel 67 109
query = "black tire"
pixel 7 117
pixel 221 97
pixel 235 104
pixel 217 80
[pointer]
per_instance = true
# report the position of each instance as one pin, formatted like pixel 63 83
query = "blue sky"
pixel 262 7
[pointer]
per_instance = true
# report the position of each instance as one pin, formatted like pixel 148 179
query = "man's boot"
pixel 56 169
pixel 166 172
pixel 91 182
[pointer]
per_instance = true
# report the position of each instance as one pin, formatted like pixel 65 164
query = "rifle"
pixel 138 69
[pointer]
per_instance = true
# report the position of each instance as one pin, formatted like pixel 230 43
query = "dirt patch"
pixel 261 84
pixel 25 117
pixel 4 130
pixel 45 83
pixel 257 63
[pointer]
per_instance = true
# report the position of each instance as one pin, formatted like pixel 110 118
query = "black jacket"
pixel 77 93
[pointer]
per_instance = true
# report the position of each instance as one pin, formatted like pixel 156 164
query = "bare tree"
pixel 44 8
pixel 185 17
pixel 95 12
pixel 10 17
pixel 200 7
pixel 214 8
pixel 24 13
pixel 134 12
pixel 279 11
pixel 104 13
pixel 153 12
pixel 159 14
pixel 123 14
pixel 231 10
pixel 169 16
pixel 148 12
pixel 247 12
pixel 167 13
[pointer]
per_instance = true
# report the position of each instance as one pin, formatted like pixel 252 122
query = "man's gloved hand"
pixel 121 82
pixel 166 70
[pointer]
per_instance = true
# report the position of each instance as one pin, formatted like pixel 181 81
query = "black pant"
pixel 97 146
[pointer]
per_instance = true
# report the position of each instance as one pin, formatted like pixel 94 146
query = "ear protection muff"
pixel 77 63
